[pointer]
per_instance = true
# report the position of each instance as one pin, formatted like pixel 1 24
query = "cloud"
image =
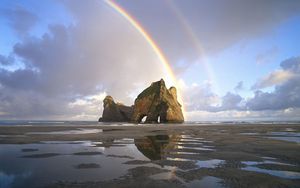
pixel 283 102
pixel 6 60
pixel 67 70
pixel 100 52
pixel 285 95
pixel 290 114
pixel 275 78
pixel 194 26
pixel 199 97
pixel 20 19
pixel 230 102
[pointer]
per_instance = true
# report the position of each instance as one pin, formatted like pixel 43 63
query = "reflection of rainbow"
pixel 150 41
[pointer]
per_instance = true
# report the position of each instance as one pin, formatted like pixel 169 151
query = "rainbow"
pixel 151 42
pixel 195 42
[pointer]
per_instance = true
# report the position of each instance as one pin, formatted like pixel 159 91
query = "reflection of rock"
pixel 152 146
pixel 116 112
pixel 157 103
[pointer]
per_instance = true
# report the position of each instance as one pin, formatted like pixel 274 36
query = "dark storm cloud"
pixel 20 19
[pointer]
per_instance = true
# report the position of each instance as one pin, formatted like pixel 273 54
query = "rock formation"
pixel 115 112
pixel 157 103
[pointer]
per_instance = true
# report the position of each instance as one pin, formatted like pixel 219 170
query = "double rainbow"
pixel 151 42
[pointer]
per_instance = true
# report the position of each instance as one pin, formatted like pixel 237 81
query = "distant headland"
pixel 157 103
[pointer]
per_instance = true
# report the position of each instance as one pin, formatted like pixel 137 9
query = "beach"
pixel 154 155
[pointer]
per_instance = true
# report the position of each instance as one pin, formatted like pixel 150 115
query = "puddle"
pixel 190 140
pixel 7 180
pixel 292 134
pixel 167 175
pixel 125 140
pixel 213 163
pixel 56 162
pixel 188 143
pixel 162 176
pixel 29 149
pixel 183 152
pixel 12 135
pixel 190 137
pixel 269 158
pixel 66 142
pixel 289 139
pixel 279 173
pixel 249 133
pixel 196 148
pixel 205 182
pixel 78 131
pixel 265 162
pixel 285 136
pixel 177 159
pixel 290 129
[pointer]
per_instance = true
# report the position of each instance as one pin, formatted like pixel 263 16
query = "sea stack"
pixel 115 112
pixel 157 103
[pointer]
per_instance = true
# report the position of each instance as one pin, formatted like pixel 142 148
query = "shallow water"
pixel 32 165
pixel 171 157
pixel 19 169
pixel 285 136
pixel 77 131
pixel 279 173
pixel 207 181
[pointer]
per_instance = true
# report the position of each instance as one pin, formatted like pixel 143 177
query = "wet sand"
pixel 173 155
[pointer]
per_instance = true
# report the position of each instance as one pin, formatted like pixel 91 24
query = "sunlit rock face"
pixel 158 104
pixel 115 112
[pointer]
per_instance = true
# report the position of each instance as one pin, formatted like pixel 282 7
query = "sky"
pixel 232 59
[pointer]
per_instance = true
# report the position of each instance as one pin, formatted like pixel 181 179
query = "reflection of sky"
pixel 78 131
pixel 209 163
pixel 283 174
pixel 207 182
pixel 6 180
pixel 62 167
pixel 285 136
pixel 278 173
